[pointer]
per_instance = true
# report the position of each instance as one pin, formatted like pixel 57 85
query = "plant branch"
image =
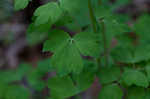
pixel 100 1
pixel 93 24
pixel 105 42
pixel 92 17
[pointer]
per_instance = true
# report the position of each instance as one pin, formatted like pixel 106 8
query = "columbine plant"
pixel 80 33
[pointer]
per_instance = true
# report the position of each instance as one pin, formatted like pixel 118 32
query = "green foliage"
pixel 48 12
pixel 139 52
pixel 36 34
pixel 111 92
pixel 109 74
pixel 11 90
pixel 78 9
pixel 61 87
pixel 64 87
pixel 79 54
pixel 64 46
pixel 132 55
pixel 135 77
pixel 16 92
pixel 147 94
pixel 136 93
pixel 141 29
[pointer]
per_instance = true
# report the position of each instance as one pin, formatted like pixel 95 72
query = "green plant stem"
pixel 105 42
pixel 100 2
pixel 133 55
pixel 94 26
pixel 92 17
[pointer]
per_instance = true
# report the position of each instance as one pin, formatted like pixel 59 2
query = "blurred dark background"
pixel 13 26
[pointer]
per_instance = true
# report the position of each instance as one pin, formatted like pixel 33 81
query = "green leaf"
pixel 111 92
pixel 35 79
pixel 135 77
pixel 147 94
pixel 44 66
pixel 136 93
pixel 78 9
pixel 141 28
pixel 72 6
pixel 113 23
pixel 3 90
pixel 9 76
pixel 67 50
pixel 142 53
pixel 103 12
pixel 64 51
pixel 109 74
pixel 90 66
pixel 17 92
pixel 21 4
pixel 121 54
pixel 64 20
pixel 76 84
pixel 22 71
pixel 48 12
pixel 87 43
pixel 132 55
pixel 83 81
pixel 36 34
pixel 113 28
pixel 61 87
pixel 37 84
pixel 56 39
pixel 69 59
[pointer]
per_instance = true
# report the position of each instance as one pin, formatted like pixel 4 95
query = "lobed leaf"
pixel 67 50
pixel 49 12
pixel 135 77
